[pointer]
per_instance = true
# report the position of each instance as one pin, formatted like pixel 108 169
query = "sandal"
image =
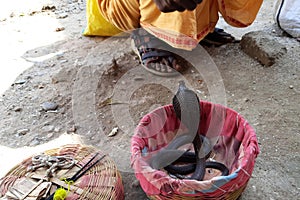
pixel 217 38
pixel 152 57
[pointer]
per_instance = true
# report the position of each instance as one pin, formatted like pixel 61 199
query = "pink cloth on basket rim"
pixel 157 128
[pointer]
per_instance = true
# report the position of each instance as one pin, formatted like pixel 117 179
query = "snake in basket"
pixel 186 105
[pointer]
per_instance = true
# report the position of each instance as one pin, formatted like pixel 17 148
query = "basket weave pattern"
pixel 103 181
pixel 236 147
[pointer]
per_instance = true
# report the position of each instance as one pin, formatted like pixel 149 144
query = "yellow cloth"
pixel 179 29
pixel 97 25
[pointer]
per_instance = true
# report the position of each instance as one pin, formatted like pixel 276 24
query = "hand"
pixel 179 5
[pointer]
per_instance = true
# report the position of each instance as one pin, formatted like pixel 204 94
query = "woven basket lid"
pixel 102 181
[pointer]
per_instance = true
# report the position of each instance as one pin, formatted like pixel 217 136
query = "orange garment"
pixel 179 29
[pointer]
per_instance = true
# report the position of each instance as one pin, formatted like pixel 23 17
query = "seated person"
pixel 179 24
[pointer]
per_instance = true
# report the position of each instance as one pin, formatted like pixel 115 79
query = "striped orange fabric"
pixel 179 29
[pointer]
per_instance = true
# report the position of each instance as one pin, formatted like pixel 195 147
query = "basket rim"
pixel 224 183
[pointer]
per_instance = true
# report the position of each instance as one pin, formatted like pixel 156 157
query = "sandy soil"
pixel 45 58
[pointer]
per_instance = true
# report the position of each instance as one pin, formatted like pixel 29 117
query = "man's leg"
pixel 239 13
pixel 124 14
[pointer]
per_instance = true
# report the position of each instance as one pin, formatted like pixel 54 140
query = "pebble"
pixel 246 99
pixel 72 129
pixel 49 135
pixel 138 78
pixel 46 106
pixel 199 91
pixel 291 86
pixel 17 109
pixel 41 86
pixel 142 114
pixel 48 128
pixel 23 131
pixel 20 82
pixel 57 129
pixel 48 7
pixel 52 65
pixel 59 29
pixel 36 141
pixel 254 188
pixel 33 12
pixel 63 61
pixel 113 132
pixel 62 16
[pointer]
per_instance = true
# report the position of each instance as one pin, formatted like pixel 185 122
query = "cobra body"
pixel 186 105
pixel 187 108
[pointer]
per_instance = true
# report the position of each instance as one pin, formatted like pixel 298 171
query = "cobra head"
pixel 185 101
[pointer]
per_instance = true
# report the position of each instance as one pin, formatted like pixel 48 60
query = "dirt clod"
pixel 262 47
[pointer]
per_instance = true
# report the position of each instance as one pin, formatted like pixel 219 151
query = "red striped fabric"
pixel 237 148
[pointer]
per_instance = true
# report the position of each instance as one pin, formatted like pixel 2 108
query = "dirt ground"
pixel 98 84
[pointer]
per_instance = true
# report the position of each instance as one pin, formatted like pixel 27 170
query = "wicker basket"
pixel 236 147
pixel 102 181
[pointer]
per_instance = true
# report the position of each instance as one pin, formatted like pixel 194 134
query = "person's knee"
pixel 124 14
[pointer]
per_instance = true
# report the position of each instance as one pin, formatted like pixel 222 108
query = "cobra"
pixel 186 106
